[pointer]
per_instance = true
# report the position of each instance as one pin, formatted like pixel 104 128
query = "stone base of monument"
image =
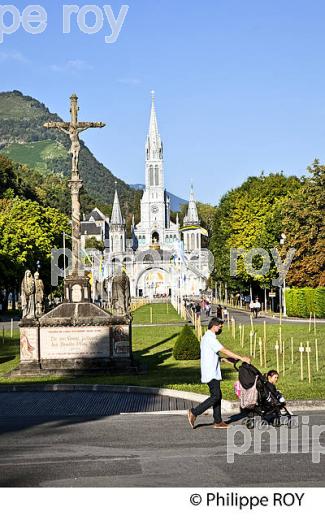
pixel 76 338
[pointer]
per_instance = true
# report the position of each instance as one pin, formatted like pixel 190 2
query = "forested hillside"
pixel 24 139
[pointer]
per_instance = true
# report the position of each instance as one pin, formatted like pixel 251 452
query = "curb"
pixel 288 319
pixel 227 406
pixel 146 325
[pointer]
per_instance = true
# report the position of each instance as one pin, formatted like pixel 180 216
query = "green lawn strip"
pixel 153 348
pixel 9 352
pixel 161 313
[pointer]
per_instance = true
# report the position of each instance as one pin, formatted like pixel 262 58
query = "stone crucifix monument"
pixel 76 285
pixel 77 336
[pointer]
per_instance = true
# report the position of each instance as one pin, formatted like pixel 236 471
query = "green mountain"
pixel 24 139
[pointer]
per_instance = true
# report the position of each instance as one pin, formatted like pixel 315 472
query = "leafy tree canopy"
pixel 304 225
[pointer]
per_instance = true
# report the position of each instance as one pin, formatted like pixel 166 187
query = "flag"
pixel 204 232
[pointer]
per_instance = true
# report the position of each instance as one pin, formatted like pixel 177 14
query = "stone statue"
pixel 39 295
pixel 121 296
pixel 73 129
pixel 75 148
pixel 28 296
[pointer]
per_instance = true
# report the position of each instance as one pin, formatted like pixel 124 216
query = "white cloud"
pixel 71 66
pixel 13 56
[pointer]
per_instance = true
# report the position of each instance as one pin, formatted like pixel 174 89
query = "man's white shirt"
pixel 210 361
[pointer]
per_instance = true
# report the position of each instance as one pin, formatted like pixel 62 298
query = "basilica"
pixel 163 258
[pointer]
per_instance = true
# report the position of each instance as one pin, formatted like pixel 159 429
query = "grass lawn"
pixel 9 353
pixel 161 313
pixel 153 346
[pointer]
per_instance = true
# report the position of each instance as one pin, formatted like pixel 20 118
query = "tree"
pixel 207 214
pixel 250 217
pixel 28 233
pixel 304 226
pixel 93 243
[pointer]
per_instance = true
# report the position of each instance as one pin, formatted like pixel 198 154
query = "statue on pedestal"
pixel 39 295
pixel 28 296
pixel 121 295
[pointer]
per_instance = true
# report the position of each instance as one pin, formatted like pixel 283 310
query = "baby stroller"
pixel 258 400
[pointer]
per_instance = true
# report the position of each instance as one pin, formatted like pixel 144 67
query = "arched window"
pixel 151 179
pixel 156 175
pixel 155 237
pixel 148 259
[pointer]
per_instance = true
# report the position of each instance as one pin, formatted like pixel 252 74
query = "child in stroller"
pixel 259 397
pixel 272 400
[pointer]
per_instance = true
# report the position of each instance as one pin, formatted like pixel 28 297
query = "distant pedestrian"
pixel 211 349
pixel 257 307
pixel 219 312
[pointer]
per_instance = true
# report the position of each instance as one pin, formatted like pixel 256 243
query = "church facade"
pixel 163 257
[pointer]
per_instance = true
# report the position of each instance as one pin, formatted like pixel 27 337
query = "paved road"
pixel 244 318
pixel 143 450
pixel 241 317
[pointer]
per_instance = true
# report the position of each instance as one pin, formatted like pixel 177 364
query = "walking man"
pixel 211 373
pixel 257 307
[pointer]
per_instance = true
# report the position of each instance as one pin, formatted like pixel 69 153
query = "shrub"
pixel 302 302
pixel 187 345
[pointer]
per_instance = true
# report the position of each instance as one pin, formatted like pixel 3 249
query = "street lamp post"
pixel 284 306
pixel 64 268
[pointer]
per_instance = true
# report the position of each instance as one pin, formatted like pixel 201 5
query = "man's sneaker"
pixel 191 418
pixel 220 425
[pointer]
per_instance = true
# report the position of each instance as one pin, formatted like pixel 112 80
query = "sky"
pixel 240 85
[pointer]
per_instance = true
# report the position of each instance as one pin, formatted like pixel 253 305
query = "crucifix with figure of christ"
pixel 73 129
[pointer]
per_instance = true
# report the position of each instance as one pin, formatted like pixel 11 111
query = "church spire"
pixel 192 216
pixel 153 127
pixel 154 143
pixel 116 212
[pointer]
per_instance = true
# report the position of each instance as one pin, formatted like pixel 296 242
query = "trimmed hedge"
pixel 302 302
pixel 187 345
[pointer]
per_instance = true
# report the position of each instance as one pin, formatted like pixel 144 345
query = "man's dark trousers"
pixel 214 400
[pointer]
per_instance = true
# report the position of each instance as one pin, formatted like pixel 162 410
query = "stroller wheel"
pixel 250 423
pixel 276 422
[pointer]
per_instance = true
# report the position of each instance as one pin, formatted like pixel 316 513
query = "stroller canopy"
pixel 247 375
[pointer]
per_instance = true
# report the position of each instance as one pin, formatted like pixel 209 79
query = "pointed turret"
pixel 117 227
pixel 192 216
pixel 192 228
pixel 116 212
